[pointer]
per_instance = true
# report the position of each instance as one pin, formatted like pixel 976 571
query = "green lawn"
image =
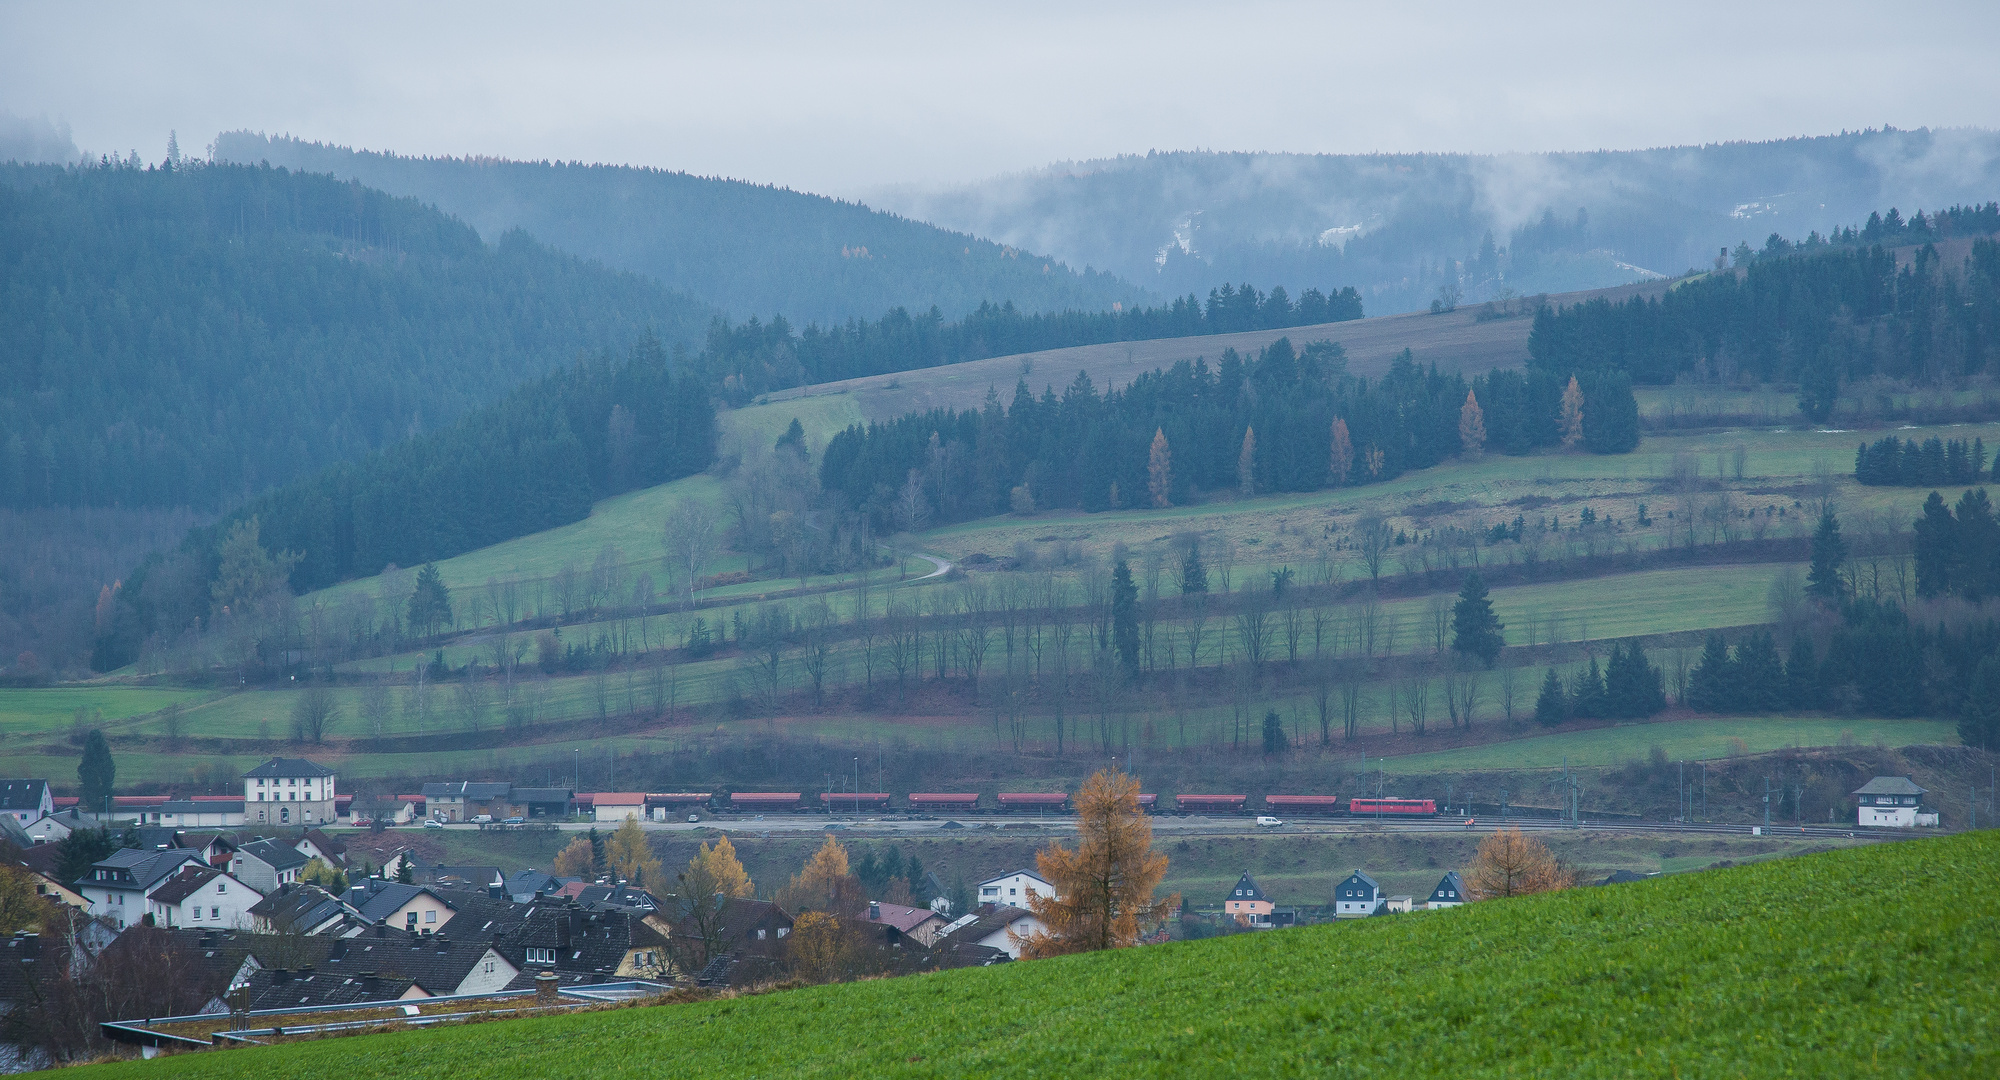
pixel 1682 740
pixel 54 708
pixel 1794 967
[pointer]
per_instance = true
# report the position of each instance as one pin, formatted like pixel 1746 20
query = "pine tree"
pixel 1802 676
pixel 1160 471
pixel 1274 733
pixel 430 602
pixel 1125 618
pixel 1709 684
pixel 1475 629
pixel 1552 704
pixel 1246 464
pixel 1194 576
pixel 95 774
pixel 1587 697
pixel 1760 675
pixel 1829 552
pixel 1341 464
pixel 1471 426
pixel 1979 719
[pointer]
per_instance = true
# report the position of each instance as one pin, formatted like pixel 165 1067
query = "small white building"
pixel 200 897
pixel 1893 802
pixel 1357 897
pixel 289 791
pixel 201 812
pixel 1003 928
pixel 267 864
pixel 118 885
pixel 613 807
pixel 1015 889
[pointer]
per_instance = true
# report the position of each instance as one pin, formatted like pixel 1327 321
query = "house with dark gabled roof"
pixel 264 865
pixel 310 987
pixel 607 942
pixel 318 845
pixel 743 927
pixel 1247 904
pixel 26 801
pixel 899 921
pixel 1450 892
pixel 1357 897
pixel 303 909
pixel 200 897
pixel 1891 802
pixel 116 886
pixel 1001 928
pixel 419 909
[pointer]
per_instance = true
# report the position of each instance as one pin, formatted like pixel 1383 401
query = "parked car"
pixel 516 821
pixel 482 819
pixel 433 823
pixel 1267 821
pixel 692 818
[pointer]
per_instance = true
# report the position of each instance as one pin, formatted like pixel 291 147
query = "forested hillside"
pixel 746 248
pixel 757 357
pixel 1823 313
pixel 535 460
pixel 1285 420
pixel 1403 228
pixel 191 335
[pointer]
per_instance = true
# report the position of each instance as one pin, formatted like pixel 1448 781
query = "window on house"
pixel 783 930
pixel 430 916
pixel 213 912
pixel 760 935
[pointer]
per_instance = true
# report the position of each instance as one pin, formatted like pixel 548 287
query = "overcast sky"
pixel 841 98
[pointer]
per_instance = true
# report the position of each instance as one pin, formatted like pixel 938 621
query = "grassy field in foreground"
pixel 1793 967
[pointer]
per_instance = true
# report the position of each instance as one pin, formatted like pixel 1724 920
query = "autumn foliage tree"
pixel 1160 470
pixel 1341 463
pixel 1509 864
pixel 631 858
pixel 1471 426
pixel 1103 886
pixel 698 899
pixel 1246 464
pixel 577 859
pixel 1569 416
pixel 824 883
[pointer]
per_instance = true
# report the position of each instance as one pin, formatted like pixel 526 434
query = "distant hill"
pixel 1400 226
pixel 749 249
pixel 191 336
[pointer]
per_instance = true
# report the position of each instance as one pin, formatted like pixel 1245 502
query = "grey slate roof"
pixel 1246 889
pixel 1374 889
pixel 540 795
pixel 462 789
pixel 1450 889
pixel 1890 785
pixel 303 907
pixel 277 854
pixel 524 885
pixel 377 899
pixel 275 989
pixel 136 868
pixel 187 880
pixel 587 941
pixel 22 794
pixel 280 767
pixel 435 962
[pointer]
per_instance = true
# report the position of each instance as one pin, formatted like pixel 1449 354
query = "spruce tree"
pixel 1802 676
pixel 95 774
pixel 1194 576
pixel 1829 551
pixel 1760 675
pixel 1552 704
pixel 1708 684
pixel 1475 629
pixel 1979 720
pixel 430 602
pixel 1125 618
pixel 1274 733
pixel 1587 698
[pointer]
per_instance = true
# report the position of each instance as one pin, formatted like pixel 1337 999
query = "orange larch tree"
pixel 1104 885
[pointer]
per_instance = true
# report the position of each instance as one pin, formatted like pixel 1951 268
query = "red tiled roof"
pixel 616 798
pixel 899 916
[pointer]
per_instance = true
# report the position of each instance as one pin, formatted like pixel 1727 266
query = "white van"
pixel 1266 821
pixel 483 819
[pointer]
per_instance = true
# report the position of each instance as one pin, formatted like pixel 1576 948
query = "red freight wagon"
pixel 1148 802
pixel 1187 803
pixel 764 800
pixel 1304 804
pixel 944 800
pixel 1394 807
pixel 1033 800
pixel 849 800
pixel 677 800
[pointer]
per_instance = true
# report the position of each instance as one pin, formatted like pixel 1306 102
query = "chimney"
pixel 874 911
pixel 545 988
pixel 371 983
pixel 280 976
pixel 496 892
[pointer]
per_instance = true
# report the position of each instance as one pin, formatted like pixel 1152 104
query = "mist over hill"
pixel 749 249
pixel 1400 226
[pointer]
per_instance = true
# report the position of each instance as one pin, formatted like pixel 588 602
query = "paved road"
pixel 943 567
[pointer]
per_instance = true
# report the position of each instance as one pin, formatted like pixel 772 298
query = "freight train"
pixel 666 806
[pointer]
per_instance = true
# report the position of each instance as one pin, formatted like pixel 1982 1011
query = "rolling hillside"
pixel 1397 226
pixel 1457 341
pixel 1794 967
pixel 748 249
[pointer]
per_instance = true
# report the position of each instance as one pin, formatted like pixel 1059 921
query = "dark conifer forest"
pixel 1820 314
pixel 1284 420
pixel 190 336
pixel 756 357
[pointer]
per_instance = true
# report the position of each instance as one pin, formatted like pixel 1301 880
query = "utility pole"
pixel 1681 794
pixel 1767 801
